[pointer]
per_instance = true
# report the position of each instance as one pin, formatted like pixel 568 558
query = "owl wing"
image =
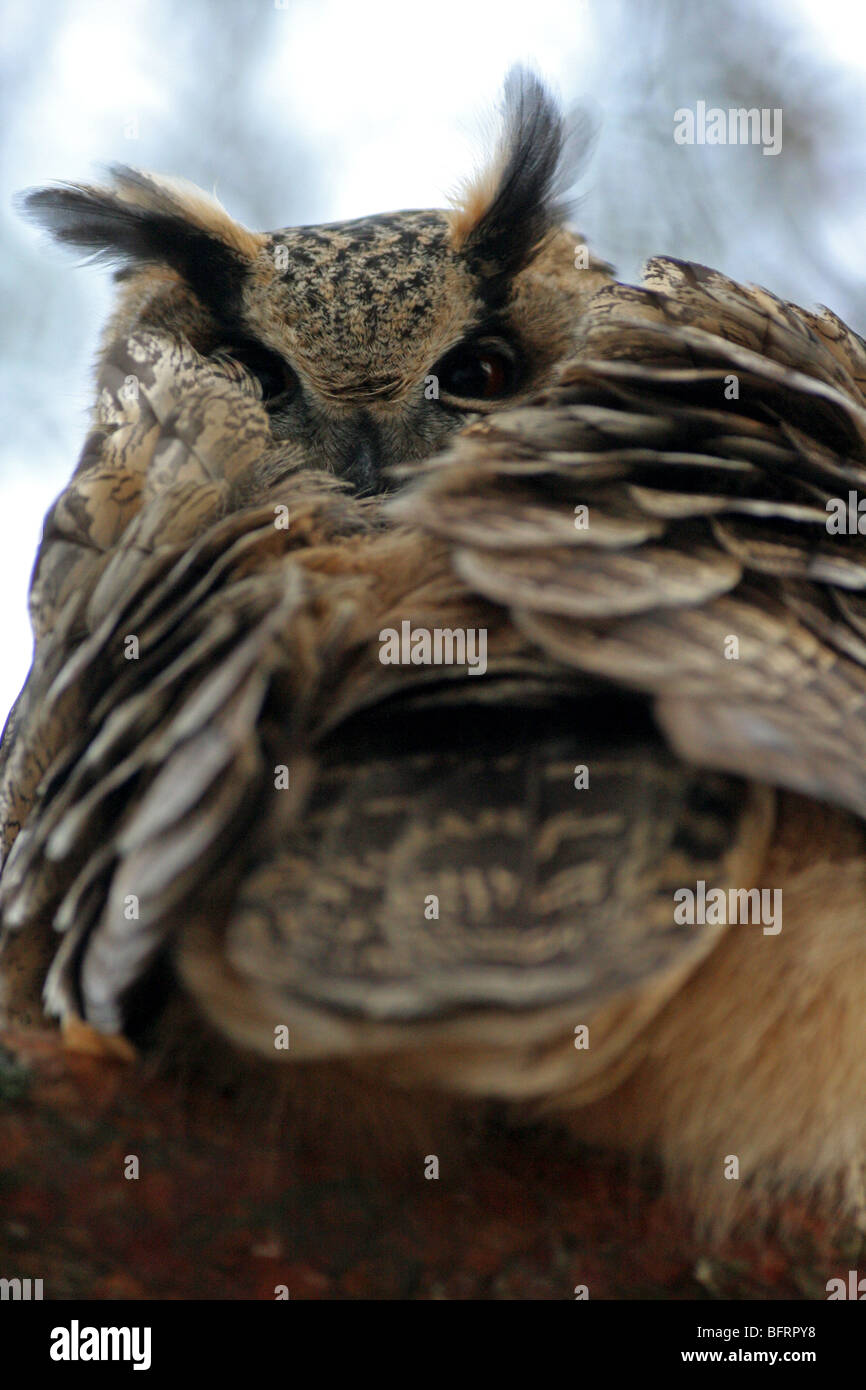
pixel 662 519
pixel 170 434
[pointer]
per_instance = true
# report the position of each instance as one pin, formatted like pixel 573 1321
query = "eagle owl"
pixel 239 761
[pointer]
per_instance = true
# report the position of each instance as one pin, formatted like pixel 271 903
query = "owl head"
pixel 371 340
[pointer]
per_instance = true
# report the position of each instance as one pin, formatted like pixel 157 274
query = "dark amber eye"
pixel 275 377
pixel 478 371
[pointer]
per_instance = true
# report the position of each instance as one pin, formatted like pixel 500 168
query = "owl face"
pixel 374 340
pixel 371 341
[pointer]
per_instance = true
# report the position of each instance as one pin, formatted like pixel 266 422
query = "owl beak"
pixel 362 463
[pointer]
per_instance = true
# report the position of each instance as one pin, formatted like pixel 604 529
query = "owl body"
pixel 435 877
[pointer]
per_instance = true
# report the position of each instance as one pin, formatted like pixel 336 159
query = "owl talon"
pixel 80 1036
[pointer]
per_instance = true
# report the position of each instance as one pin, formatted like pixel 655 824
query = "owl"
pixel 450 666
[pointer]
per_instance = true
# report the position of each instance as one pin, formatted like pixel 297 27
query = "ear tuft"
pixel 143 219
pixel 504 213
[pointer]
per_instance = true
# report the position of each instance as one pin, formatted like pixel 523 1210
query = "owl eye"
pixel 275 377
pixel 484 370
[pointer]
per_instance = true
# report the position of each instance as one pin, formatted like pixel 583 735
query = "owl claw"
pixel 79 1036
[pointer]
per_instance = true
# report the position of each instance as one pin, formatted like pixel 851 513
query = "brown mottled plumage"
pixel 402 863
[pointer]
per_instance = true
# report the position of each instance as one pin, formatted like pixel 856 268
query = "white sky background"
pixel 349 107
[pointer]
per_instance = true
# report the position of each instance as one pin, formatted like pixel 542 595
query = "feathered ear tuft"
pixel 148 220
pixel 505 213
